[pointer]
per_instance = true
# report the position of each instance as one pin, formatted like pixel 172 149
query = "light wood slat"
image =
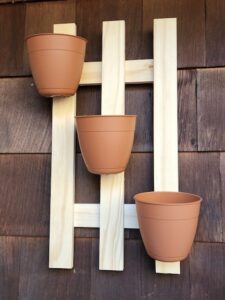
pixel 136 71
pixel 61 244
pixel 165 115
pixel 88 215
pixel 111 256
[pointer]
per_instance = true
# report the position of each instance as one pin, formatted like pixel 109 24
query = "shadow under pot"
pixel 56 62
pixel 168 223
pixel 106 142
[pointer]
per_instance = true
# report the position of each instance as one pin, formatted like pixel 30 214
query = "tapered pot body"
pixel 168 223
pixel 106 142
pixel 56 62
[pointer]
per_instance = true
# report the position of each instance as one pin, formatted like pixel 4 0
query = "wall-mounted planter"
pixel 106 142
pixel 56 62
pixel 168 223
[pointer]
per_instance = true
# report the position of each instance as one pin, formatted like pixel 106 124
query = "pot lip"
pixel 53 34
pixel 105 116
pixel 197 199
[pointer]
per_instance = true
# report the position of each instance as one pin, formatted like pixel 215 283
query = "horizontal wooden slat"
pixel 88 215
pixel 136 71
pixel 22 110
pixel 25 207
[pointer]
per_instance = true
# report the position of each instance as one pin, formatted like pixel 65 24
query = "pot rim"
pixel 197 199
pixel 105 116
pixel 52 34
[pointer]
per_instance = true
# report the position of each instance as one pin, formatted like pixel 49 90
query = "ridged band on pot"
pixel 106 142
pixel 168 223
pixel 56 62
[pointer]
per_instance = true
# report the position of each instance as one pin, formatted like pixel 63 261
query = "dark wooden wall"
pixel 25 152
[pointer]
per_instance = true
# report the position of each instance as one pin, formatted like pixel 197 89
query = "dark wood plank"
pixel 12 24
pixel 200 174
pixel 88 103
pixel 9 268
pixel 17 1
pixel 25 207
pixel 215 33
pixel 124 285
pixel 41 16
pixel 139 175
pixel 222 172
pixel 25 194
pixel 25 122
pixel 187 110
pixel 37 281
pixel 190 16
pixel 91 14
pixel 211 109
pixel 162 287
pixel 207 270
pixel 139 101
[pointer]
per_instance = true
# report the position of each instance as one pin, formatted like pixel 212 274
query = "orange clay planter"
pixel 168 223
pixel 106 142
pixel 56 62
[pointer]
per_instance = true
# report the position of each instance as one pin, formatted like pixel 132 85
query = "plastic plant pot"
pixel 56 62
pixel 168 223
pixel 106 142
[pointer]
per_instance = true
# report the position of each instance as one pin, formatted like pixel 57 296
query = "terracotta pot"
pixel 56 62
pixel 168 223
pixel 106 142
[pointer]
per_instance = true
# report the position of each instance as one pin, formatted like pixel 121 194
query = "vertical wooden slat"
pixel 112 186
pixel 61 247
pixel 165 115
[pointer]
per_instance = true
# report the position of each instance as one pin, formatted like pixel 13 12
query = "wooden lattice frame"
pixel 112 215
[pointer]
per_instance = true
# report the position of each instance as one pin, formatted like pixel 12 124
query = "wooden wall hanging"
pixel 112 215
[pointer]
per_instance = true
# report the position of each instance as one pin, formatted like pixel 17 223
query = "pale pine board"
pixel 111 254
pixel 165 115
pixel 136 71
pixel 88 215
pixel 61 241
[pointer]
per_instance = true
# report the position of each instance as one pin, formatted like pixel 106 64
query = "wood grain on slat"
pixel 211 109
pixel 165 114
pixel 136 71
pixel 112 186
pixel 190 16
pixel 61 240
pixel 88 215
pixel 215 33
